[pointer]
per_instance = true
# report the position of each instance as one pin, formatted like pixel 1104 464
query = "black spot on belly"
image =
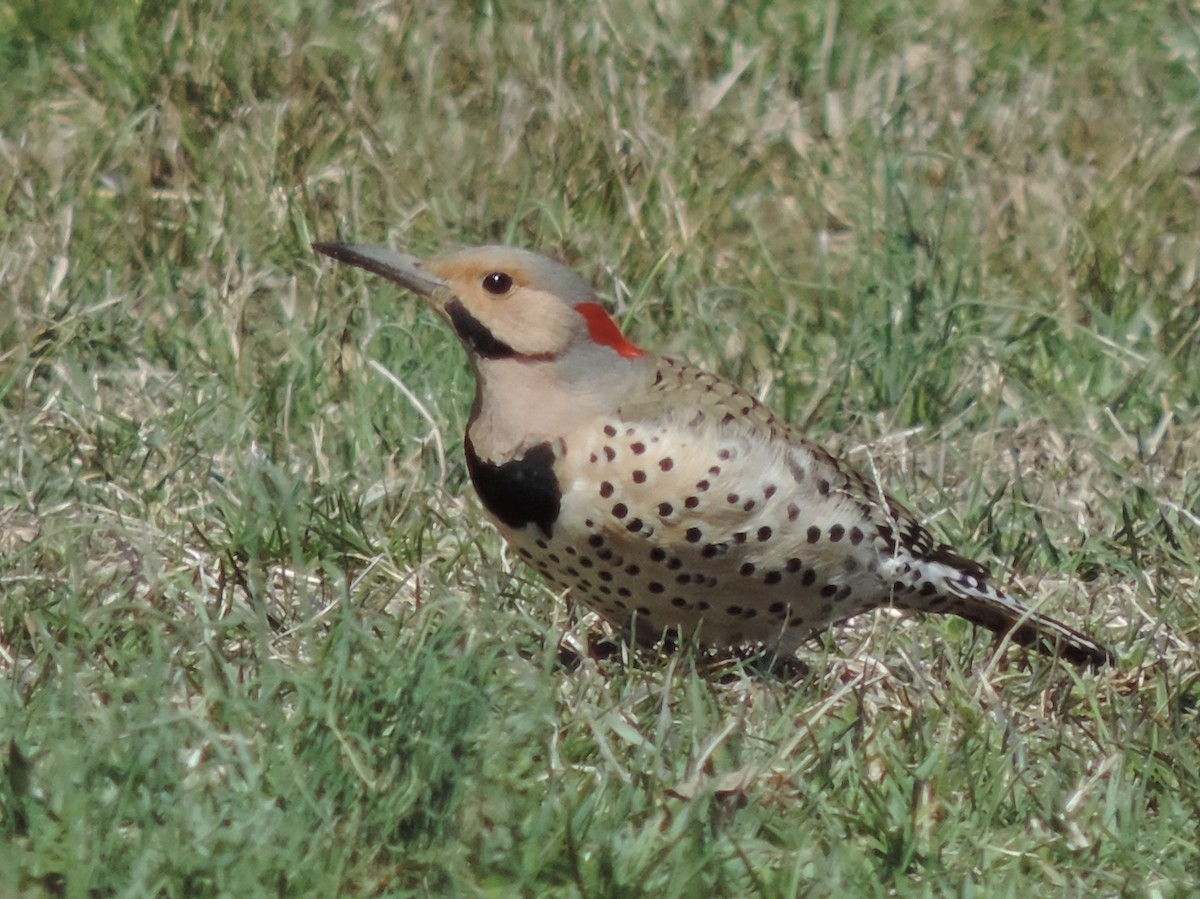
pixel 521 491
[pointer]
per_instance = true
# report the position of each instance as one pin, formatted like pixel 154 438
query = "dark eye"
pixel 497 283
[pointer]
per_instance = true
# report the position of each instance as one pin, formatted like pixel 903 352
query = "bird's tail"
pixel 961 587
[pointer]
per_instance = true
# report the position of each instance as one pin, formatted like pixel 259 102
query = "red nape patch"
pixel 605 331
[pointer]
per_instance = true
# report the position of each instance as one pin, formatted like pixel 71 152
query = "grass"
pixel 255 635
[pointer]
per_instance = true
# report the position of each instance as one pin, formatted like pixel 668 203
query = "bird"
pixel 666 498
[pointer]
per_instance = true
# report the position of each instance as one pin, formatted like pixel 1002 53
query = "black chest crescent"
pixel 521 491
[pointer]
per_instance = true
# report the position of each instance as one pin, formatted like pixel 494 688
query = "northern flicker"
pixel 666 498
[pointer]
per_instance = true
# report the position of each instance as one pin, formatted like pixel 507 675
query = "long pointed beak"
pixel 402 268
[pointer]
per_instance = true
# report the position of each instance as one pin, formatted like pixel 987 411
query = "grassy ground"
pixel 255 636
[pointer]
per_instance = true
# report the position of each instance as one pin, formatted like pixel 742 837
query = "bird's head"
pixel 502 302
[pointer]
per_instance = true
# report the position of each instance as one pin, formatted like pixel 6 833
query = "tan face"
pixel 513 296
pixel 502 302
